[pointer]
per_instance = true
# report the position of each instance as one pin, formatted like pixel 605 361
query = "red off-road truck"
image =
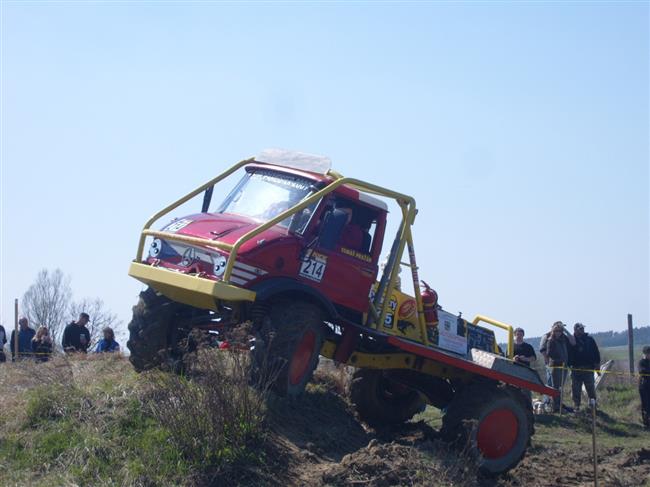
pixel 294 249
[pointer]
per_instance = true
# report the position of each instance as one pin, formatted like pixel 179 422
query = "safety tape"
pixel 612 372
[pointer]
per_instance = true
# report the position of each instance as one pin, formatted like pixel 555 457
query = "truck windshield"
pixel 264 194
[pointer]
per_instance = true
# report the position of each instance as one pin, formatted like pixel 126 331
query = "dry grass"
pixel 214 415
pixel 93 421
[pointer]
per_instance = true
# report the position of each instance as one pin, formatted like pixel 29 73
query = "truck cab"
pixel 334 240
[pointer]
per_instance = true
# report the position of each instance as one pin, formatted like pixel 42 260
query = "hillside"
pixel 93 421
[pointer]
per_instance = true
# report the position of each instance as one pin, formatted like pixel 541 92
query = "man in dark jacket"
pixel 76 337
pixel 3 340
pixel 644 386
pixel 25 335
pixel 584 358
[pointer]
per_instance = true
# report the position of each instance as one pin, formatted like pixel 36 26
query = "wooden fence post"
pixel 630 342
pixel 15 357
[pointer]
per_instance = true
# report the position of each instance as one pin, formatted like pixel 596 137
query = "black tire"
pixel 154 340
pixel 380 401
pixel 494 424
pixel 287 347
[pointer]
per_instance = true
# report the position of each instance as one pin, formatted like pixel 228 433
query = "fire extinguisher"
pixel 429 303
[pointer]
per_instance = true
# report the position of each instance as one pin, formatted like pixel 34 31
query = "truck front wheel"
pixel 287 346
pixel 380 401
pixel 154 338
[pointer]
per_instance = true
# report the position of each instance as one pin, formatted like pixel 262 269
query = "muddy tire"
pixel 494 425
pixel 380 401
pixel 287 347
pixel 154 340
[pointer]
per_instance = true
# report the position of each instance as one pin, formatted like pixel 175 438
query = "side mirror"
pixel 207 198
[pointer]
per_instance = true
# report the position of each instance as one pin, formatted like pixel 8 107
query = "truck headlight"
pixel 219 265
pixel 155 249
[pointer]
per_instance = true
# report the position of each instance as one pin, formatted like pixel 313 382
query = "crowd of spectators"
pixel 38 345
pixel 579 355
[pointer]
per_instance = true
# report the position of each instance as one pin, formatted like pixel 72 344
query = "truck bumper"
pixel 187 289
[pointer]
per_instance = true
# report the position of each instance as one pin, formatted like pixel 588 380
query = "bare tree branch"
pixel 46 301
pixel 100 317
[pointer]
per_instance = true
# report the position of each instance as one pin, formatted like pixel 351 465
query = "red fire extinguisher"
pixel 429 302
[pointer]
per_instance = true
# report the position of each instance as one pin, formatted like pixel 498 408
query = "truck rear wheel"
pixel 288 345
pixel 493 423
pixel 154 340
pixel 380 401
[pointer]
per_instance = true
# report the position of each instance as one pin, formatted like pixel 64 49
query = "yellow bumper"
pixel 191 290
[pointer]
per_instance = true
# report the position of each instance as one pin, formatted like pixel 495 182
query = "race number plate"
pixel 314 267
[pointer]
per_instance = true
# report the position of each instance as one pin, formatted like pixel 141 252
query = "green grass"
pixel 620 353
pixel 91 423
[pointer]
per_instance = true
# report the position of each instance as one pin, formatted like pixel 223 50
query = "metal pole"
pixel 15 357
pixel 592 403
pixel 562 390
pixel 630 342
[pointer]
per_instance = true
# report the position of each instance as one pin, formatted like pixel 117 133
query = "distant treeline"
pixel 607 338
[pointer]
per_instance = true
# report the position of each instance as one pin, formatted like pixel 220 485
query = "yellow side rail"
pixel 503 326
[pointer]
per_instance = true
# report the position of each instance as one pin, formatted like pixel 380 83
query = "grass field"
pixel 620 353
pixel 94 421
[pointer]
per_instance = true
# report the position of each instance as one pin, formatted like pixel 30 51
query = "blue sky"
pixel 520 129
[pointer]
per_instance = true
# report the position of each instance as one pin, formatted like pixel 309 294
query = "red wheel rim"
pixel 302 357
pixel 497 433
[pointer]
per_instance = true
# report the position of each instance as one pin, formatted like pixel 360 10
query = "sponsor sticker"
pixel 390 316
pixel 407 309
pixel 356 255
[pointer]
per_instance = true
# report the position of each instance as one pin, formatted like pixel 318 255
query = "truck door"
pixel 343 262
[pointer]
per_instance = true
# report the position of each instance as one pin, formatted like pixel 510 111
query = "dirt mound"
pixel 573 467
pixel 318 440
pixel 394 463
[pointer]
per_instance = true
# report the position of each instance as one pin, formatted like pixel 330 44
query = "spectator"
pixel 524 352
pixel 584 357
pixel 543 346
pixel 108 343
pixel 644 386
pixel 3 340
pixel 25 335
pixel 42 344
pixel 555 349
pixel 76 337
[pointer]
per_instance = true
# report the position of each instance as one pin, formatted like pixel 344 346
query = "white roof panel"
pixel 296 160
pixel 371 200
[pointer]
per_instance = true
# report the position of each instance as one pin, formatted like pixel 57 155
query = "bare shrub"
pixel 213 415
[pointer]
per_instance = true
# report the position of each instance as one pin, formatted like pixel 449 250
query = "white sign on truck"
pixel 448 337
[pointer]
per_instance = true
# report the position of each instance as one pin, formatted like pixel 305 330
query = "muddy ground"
pixel 317 440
